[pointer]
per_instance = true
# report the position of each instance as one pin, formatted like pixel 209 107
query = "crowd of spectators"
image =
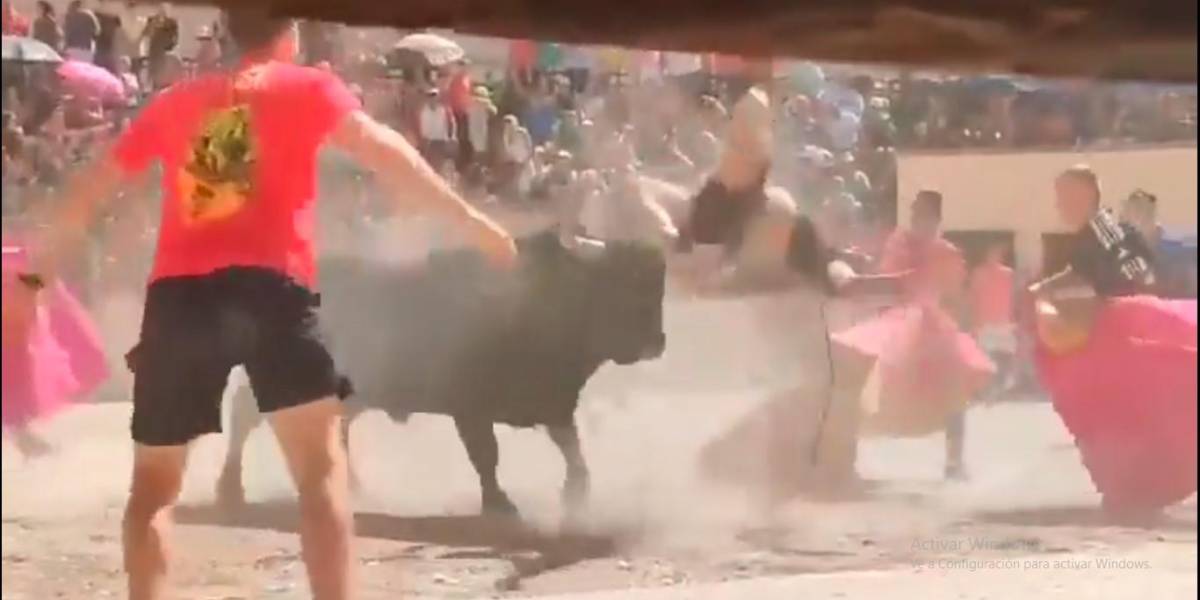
pixel 49 125
pixel 559 123
pixel 522 132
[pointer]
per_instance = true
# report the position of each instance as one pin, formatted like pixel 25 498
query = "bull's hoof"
pixel 955 471
pixel 499 505
pixel 230 493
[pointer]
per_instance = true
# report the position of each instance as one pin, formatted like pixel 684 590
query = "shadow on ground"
pixel 1086 516
pixel 530 550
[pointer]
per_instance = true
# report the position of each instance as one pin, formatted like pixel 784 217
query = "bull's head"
pixel 624 298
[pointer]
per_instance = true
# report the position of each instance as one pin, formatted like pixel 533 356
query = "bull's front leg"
pixel 578 480
pixel 230 491
pixel 479 438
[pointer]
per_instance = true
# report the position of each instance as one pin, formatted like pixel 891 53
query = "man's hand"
pixel 69 216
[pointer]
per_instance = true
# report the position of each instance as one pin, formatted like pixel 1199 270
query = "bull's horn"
pixel 585 247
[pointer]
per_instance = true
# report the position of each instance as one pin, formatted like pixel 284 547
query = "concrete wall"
pixel 1014 191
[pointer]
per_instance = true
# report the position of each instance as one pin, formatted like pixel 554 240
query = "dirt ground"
pixel 654 521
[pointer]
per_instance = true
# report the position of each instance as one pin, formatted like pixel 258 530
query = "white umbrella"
pixel 436 49
pixel 28 50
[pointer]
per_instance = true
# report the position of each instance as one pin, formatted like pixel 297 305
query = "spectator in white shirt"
pixel 437 131
pixel 516 155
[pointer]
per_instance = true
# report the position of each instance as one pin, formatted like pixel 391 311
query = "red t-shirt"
pixel 15 23
pixel 459 93
pixel 522 54
pixel 291 110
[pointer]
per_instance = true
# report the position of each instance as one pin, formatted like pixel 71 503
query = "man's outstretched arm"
pixel 413 183
pixel 67 217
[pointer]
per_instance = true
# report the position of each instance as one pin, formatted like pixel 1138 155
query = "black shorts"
pixel 195 330
pixel 719 215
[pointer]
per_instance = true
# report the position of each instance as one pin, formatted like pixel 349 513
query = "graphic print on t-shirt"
pixel 1127 262
pixel 216 182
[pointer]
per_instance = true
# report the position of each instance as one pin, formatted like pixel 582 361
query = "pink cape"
pixel 928 369
pixel 59 359
pixel 1129 399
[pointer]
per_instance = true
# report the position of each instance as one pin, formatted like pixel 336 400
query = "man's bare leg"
pixel 310 436
pixel 955 441
pixel 157 478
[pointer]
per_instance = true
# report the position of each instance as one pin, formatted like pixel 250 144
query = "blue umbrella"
pixel 28 50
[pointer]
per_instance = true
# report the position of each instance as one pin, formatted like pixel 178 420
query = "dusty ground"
pixel 654 523
pixel 654 520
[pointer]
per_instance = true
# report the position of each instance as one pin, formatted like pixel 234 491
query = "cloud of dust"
pixel 683 449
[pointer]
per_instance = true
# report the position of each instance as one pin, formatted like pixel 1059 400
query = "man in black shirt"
pixel 162 36
pixel 80 29
pixel 45 26
pixel 1108 256
pixel 107 38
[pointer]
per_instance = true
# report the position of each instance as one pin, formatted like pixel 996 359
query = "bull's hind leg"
pixel 349 412
pixel 230 491
pixel 578 481
pixel 479 438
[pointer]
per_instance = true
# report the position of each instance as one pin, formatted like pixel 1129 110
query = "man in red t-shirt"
pixel 458 97
pixel 992 287
pixel 14 22
pixel 233 278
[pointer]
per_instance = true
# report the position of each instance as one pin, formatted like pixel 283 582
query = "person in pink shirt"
pixel 50 357
pixel 991 290
pixel 926 369
pixel 234 276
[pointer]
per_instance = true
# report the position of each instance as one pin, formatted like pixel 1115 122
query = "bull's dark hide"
pixel 454 337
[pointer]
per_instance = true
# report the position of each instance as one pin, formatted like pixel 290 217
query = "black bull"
pixel 453 337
